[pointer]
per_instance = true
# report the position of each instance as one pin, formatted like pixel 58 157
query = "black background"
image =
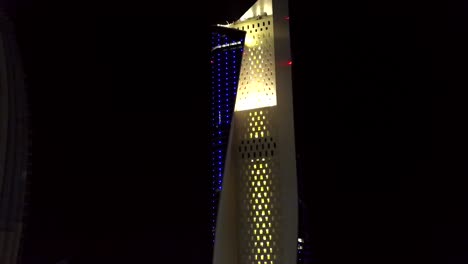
pixel 120 110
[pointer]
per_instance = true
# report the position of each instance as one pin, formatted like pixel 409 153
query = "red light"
pixel 286 18
pixel 212 61
pixel 289 62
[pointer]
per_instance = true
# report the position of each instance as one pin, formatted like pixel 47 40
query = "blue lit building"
pixel 226 55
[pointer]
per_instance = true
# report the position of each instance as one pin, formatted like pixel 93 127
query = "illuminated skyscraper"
pixel 257 220
pixel 14 145
pixel 226 55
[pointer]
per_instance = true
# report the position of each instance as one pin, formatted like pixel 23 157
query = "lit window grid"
pixel 224 73
pixel 259 212
pixel 257 125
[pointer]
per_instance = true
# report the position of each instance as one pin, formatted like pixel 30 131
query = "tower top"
pixel 260 8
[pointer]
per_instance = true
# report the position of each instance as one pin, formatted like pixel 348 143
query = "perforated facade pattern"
pixel 257 217
pixel 259 206
pixel 257 85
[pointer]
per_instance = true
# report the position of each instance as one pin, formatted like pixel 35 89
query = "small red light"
pixel 286 18
pixel 212 61
pixel 289 62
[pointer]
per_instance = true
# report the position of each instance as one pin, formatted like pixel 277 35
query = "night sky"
pixel 120 108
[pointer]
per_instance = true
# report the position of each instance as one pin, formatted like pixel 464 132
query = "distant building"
pixel 14 145
pixel 226 55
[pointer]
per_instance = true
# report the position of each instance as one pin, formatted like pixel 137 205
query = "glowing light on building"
pixel 257 218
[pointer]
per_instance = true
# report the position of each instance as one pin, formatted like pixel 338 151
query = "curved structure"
pixel 257 220
pixel 13 145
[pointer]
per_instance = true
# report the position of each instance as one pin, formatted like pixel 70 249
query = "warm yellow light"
pixel 249 40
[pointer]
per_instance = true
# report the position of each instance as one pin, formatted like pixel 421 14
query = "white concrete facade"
pixel 258 212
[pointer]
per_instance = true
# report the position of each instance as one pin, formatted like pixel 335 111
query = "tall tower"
pixel 13 145
pixel 227 46
pixel 257 220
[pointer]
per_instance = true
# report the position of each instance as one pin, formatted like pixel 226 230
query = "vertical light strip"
pixel 260 208
pixel 225 67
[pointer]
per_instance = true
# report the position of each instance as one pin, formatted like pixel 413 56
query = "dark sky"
pixel 120 103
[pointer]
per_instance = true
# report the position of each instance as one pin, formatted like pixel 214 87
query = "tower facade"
pixel 227 46
pixel 257 220
pixel 14 145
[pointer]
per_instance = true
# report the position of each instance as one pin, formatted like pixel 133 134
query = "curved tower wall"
pixel 13 145
pixel 258 212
